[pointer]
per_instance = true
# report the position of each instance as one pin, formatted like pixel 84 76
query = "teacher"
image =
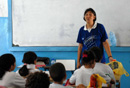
pixel 92 34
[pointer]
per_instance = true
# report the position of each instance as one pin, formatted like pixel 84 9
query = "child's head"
pixel 97 51
pixel 37 80
pixel 7 63
pixel 58 72
pixel 88 58
pixel 29 58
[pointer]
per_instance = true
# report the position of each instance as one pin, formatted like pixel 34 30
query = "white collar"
pixel 94 26
pixel 59 85
pixel 83 68
pixel 30 66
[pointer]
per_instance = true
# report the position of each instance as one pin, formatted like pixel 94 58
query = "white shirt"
pixel 105 71
pixel 32 69
pixel 12 79
pixel 81 76
pixel 54 85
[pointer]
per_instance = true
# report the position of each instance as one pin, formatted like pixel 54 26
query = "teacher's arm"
pixel 108 50
pixel 79 54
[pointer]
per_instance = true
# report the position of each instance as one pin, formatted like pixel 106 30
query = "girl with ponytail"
pixel 82 75
pixel 29 60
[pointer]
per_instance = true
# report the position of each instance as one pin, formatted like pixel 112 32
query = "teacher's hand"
pixel 78 64
pixel 111 59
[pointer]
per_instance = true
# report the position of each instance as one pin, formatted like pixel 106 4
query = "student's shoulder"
pixel 10 74
pixel 8 77
pixel 79 69
pixel 107 67
pixel 53 85
pixel 13 76
pixel 101 65
pixel 34 70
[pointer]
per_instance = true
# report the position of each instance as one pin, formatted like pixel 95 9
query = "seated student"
pixel 37 80
pixel 58 74
pixel 83 74
pixel 8 78
pixel 29 60
pixel 102 69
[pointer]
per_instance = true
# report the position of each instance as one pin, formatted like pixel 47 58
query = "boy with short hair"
pixel 58 74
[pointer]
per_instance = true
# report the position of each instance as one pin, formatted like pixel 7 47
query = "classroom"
pixel 45 46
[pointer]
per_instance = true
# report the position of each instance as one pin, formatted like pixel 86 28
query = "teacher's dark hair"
pixel 90 9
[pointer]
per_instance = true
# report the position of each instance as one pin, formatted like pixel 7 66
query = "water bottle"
pixel 53 61
pixel 112 38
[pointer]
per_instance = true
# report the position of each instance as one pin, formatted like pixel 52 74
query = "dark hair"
pixel 90 9
pixel 29 57
pixel 6 60
pixel 98 53
pixel 23 71
pixel 88 57
pixel 37 80
pixel 57 72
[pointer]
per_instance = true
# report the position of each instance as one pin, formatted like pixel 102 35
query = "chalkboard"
pixel 57 22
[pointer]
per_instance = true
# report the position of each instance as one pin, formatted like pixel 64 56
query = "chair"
pixel 42 62
pixel 117 83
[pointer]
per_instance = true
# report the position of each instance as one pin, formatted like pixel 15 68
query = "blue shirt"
pixel 95 37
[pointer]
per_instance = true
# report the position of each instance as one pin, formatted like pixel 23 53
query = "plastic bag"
pixel 118 69
pixel 112 38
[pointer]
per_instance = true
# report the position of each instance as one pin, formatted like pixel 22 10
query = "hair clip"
pixel 85 55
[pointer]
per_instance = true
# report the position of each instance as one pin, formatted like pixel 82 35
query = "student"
pixel 58 74
pixel 102 69
pixel 29 60
pixel 8 78
pixel 82 75
pixel 37 80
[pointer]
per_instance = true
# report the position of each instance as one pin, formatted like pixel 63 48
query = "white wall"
pixel 57 22
pixel 3 8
